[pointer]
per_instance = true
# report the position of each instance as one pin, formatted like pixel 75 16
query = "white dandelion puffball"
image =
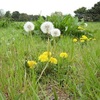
pixel 28 26
pixel 46 27
pixel 55 32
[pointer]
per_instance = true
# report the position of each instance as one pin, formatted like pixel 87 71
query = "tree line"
pixel 17 16
pixel 92 14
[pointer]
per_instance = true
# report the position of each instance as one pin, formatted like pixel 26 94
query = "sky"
pixel 45 7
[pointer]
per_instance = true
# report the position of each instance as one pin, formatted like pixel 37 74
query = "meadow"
pixel 75 77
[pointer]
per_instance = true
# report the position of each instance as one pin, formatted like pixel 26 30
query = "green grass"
pixel 76 78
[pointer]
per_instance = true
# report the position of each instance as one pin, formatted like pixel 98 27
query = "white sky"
pixel 45 7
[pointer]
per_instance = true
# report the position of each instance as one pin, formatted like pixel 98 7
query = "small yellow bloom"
pixel 82 40
pixel 47 53
pixel 31 64
pixel 81 28
pixel 43 58
pixel 84 37
pixel 74 40
pixel 53 60
pixel 63 55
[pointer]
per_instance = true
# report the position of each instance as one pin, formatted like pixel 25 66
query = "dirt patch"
pixel 54 92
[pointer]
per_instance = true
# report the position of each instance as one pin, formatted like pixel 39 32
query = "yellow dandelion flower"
pixel 53 60
pixel 47 53
pixel 43 58
pixel 63 55
pixel 84 37
pixel 74 40
pixel 82 40
pixel 81 28
pixel 31 64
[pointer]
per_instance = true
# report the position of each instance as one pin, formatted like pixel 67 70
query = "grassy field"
pixel 76 77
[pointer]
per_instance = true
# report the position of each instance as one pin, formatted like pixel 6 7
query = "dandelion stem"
pixel 42 72
pixel 54 45
pixel 48 45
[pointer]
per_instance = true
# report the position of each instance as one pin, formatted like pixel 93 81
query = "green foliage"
pixel 39 22
pixel 37 30
pixel 5 22
pixel 68 25
pixel 76 77
pixel 17 25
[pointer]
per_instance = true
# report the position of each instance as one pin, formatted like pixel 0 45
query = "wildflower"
pixel 63 55
pixel 84 37
pixel 55 32
pixel 82 40
pixel 47 53
pixel 53 60
pixel 28 26
pixel 46 27
pixel 74 40
pixel 31 64
pixel 43 58
pixel 81 28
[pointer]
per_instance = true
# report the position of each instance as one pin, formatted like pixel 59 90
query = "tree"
pixel 80 13
pixel 57 14
pixel 35 17
pixel 8 14
pixel 23 17
pixel 94 12
pixel 15 15
pixel 96 8
pixel 31 17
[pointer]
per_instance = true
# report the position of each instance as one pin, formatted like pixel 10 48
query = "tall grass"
pixel 74 78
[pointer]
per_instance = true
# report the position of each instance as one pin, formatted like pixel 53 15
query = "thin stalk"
pixel 48 45
pixel 42 72
pixel 54 45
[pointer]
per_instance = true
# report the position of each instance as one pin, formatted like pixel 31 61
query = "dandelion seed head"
pixel 29 26
pixel 55 32
pixel 46 27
